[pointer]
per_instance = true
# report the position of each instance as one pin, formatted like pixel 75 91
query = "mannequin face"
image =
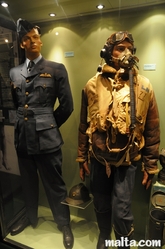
pixel 119 48
pixel 32 43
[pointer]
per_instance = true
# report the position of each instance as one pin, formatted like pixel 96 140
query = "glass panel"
pixel 11 199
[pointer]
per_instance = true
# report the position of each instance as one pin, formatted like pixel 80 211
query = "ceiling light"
pixel 100 6
pixel 5 5
pixel 52 14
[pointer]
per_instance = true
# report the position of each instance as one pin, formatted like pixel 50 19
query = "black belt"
pixel 30 112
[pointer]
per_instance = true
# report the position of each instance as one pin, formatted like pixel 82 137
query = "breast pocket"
pixel 44 88
pixel 48 132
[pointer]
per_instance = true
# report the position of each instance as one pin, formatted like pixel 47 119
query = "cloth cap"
pixel 78 194
pixel 23 27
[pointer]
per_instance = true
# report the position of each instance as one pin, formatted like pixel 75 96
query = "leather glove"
pixel 147 179
pixel 84 170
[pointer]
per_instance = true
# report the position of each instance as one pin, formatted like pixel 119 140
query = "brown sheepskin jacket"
pixel 105 120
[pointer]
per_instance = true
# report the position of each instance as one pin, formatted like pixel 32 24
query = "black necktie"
pixel 30 65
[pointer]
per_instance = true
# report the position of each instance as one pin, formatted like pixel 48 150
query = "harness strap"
pixel 124 160
pixel 116 150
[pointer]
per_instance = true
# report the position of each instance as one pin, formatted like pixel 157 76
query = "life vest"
pixel 109 116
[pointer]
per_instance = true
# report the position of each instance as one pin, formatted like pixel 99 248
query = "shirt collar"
pixel 35 60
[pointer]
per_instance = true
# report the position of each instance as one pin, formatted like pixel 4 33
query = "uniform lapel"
pixel 24 70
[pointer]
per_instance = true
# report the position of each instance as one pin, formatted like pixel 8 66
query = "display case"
pixel 11 198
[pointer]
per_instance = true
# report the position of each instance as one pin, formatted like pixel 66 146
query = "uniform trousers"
pixel 112 197
pixel 49 167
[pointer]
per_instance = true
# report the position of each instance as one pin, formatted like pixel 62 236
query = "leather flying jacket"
pixel 104 130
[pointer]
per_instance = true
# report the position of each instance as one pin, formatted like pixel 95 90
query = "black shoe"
pixel 101 243
pixel 68 239
pixel 20 226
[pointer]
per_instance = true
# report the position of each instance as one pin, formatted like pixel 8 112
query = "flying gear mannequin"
pixel 118 118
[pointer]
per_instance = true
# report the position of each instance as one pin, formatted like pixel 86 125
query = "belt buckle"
pixel 28 113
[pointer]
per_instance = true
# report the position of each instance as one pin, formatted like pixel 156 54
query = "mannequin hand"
pixel 147 179
pixel 84 170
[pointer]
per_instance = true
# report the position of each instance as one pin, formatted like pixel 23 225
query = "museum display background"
pixel 82 39
pixel 86 38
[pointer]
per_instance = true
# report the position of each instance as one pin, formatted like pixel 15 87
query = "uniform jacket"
pixel 35 94
pixel 105 119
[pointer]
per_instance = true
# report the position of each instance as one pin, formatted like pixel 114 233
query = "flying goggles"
pixel 120 36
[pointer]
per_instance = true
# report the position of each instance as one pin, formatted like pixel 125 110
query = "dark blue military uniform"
pixel 37 137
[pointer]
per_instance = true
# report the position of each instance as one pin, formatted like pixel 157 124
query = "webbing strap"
pixel 124 160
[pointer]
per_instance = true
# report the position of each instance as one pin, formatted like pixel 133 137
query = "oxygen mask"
pixel 126 59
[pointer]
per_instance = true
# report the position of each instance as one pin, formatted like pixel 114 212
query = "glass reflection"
pixel 10 187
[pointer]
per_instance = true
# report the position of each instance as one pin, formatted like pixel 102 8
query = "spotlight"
pixel 100 6
pixel 5 5
pixel 52 14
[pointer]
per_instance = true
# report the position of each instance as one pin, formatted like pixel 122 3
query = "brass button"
pixel 27 93
pixel 27 81
pixel 44 86
pixel 52 125
pixel 26 119
pixel 26 106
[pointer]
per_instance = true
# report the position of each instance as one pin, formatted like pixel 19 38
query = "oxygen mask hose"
pixel 132 101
